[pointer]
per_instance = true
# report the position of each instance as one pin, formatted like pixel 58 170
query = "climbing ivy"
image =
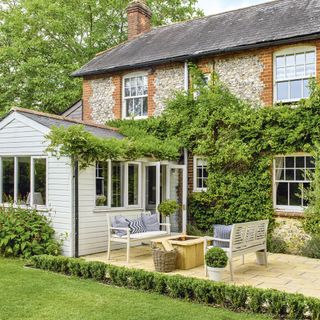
pixel 238 140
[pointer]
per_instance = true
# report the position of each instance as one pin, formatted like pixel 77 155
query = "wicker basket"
pixel 164 261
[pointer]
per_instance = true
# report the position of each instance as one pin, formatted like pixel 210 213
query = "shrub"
pixel 276 244
pixel 24 233
pixel 278 304
pixel 216 258
pixel 168 207
pixel 312 248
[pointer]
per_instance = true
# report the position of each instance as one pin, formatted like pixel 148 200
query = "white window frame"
pixel 195 176
pixel 15 200
pixel 288 51
pixel 133 75
pixel 285 208
pixel 125 187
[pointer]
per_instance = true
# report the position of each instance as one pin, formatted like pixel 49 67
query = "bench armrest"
pixel 114 228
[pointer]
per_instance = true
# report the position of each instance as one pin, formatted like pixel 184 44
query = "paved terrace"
pixel 285 272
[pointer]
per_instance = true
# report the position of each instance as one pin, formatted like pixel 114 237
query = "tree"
pixel 42 42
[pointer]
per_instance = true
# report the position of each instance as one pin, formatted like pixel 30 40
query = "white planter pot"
pixel 215 274
pixel 260 258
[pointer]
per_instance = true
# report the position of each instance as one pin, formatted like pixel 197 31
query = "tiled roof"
pixel 49 120
pixel 280 21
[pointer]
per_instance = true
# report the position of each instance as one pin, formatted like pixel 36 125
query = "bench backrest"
pixel 248 234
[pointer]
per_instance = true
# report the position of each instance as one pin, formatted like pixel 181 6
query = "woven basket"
pixel 164 261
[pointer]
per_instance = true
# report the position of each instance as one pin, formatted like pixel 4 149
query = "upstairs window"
pixel 200 174
pixel 291 178
pixel 135 96
pixel 293 70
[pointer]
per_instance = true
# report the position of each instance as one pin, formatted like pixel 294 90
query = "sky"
pixel 217 6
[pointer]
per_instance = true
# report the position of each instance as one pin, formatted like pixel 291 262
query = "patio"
pixel 290 273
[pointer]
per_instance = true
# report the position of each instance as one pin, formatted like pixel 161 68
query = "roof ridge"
pixel 217 14
pixel 58 117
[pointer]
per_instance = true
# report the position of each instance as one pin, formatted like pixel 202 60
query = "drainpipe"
pixel 76 208
pixel 185 158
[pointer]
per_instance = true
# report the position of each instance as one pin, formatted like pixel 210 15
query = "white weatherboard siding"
pixel 92 225
pixel 18 138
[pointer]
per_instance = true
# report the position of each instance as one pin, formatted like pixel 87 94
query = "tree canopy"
pixel 42 42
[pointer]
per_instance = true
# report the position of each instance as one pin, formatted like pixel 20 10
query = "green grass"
pixel 35 294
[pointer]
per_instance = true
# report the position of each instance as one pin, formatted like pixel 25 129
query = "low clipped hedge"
pixel 237 298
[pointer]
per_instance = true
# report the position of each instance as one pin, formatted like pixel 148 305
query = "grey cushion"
pixel 151 222
pixel 222 232
pixel 120 222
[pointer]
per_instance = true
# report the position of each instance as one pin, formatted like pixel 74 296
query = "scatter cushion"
pixel 136 226
pixel 222 232
pixel 120 222
pixel 151 222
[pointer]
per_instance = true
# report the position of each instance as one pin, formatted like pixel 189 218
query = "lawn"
pixel 35 294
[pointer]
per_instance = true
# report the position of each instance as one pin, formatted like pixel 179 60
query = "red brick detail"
pixel 86 94
pixel 139 18
pixel 151 93
pixel 117 96
pixel 266 76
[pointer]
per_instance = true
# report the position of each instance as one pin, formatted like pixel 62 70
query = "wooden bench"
pixel 130 238
pixel 244 238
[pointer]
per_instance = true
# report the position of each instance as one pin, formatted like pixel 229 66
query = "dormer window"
pixel 293 69
pixel 135 96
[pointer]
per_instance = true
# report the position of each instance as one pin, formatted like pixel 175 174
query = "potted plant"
pixel 101 200
pixel 216 260
pixel 167 208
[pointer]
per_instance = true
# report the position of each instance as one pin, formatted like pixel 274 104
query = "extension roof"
pixel 48 120
pixel 275 22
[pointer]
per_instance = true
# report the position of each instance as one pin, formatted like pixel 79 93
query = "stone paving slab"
pixel 288 273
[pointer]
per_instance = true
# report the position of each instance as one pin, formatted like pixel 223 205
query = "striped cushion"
pixel 136 226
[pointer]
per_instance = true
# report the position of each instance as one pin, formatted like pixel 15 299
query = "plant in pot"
pixel 216 260
pixel 168 208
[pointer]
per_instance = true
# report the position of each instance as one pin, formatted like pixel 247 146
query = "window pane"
pixel 296 89
pixel 306 186
pixel 127 92
pixel 279 162
pixel 7 179
pixel 300 162
pixel 282 194
pixel 40 181
pixel 283 91
pixel 24 180
pixel 295 194
pixel 281 73
pixel 129 107
pixel 300 71
pixel 279 174
pixel 145 107
pixel 133 82
pixel 133 184
pixel 290 174
pixel 289 162
pixel 280 61
pixel 290 71
pixel 290 60
pixel 306 89
pixel 102 169
pixel 127 83
pixel 310 70
pixel 139 81
pixel 117 185
pixel 310 162
pixel 310 57
pixel 300 59
pixel 300 174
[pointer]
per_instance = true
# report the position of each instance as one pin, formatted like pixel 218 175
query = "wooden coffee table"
pixel 190 250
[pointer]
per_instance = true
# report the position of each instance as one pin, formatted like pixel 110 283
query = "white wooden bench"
pixel 130 238
pixel 244 238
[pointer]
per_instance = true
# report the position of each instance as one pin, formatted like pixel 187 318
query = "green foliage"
pixel 43 42
pixel 278 304
pixel 312 213
pixel 216 258
pixel 312 248
pixel 168 207
pixel 24 233
pixel 276 244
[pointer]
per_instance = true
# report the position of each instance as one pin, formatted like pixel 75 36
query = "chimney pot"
pixel 139 18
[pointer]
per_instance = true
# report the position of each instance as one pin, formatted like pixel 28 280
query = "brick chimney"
pixel 139 18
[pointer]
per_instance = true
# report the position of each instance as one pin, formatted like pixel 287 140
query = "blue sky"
pixel 216 6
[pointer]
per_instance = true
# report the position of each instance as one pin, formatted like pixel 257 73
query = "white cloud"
pixel 217 6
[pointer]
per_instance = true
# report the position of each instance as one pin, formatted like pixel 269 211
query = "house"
pixel 265 54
